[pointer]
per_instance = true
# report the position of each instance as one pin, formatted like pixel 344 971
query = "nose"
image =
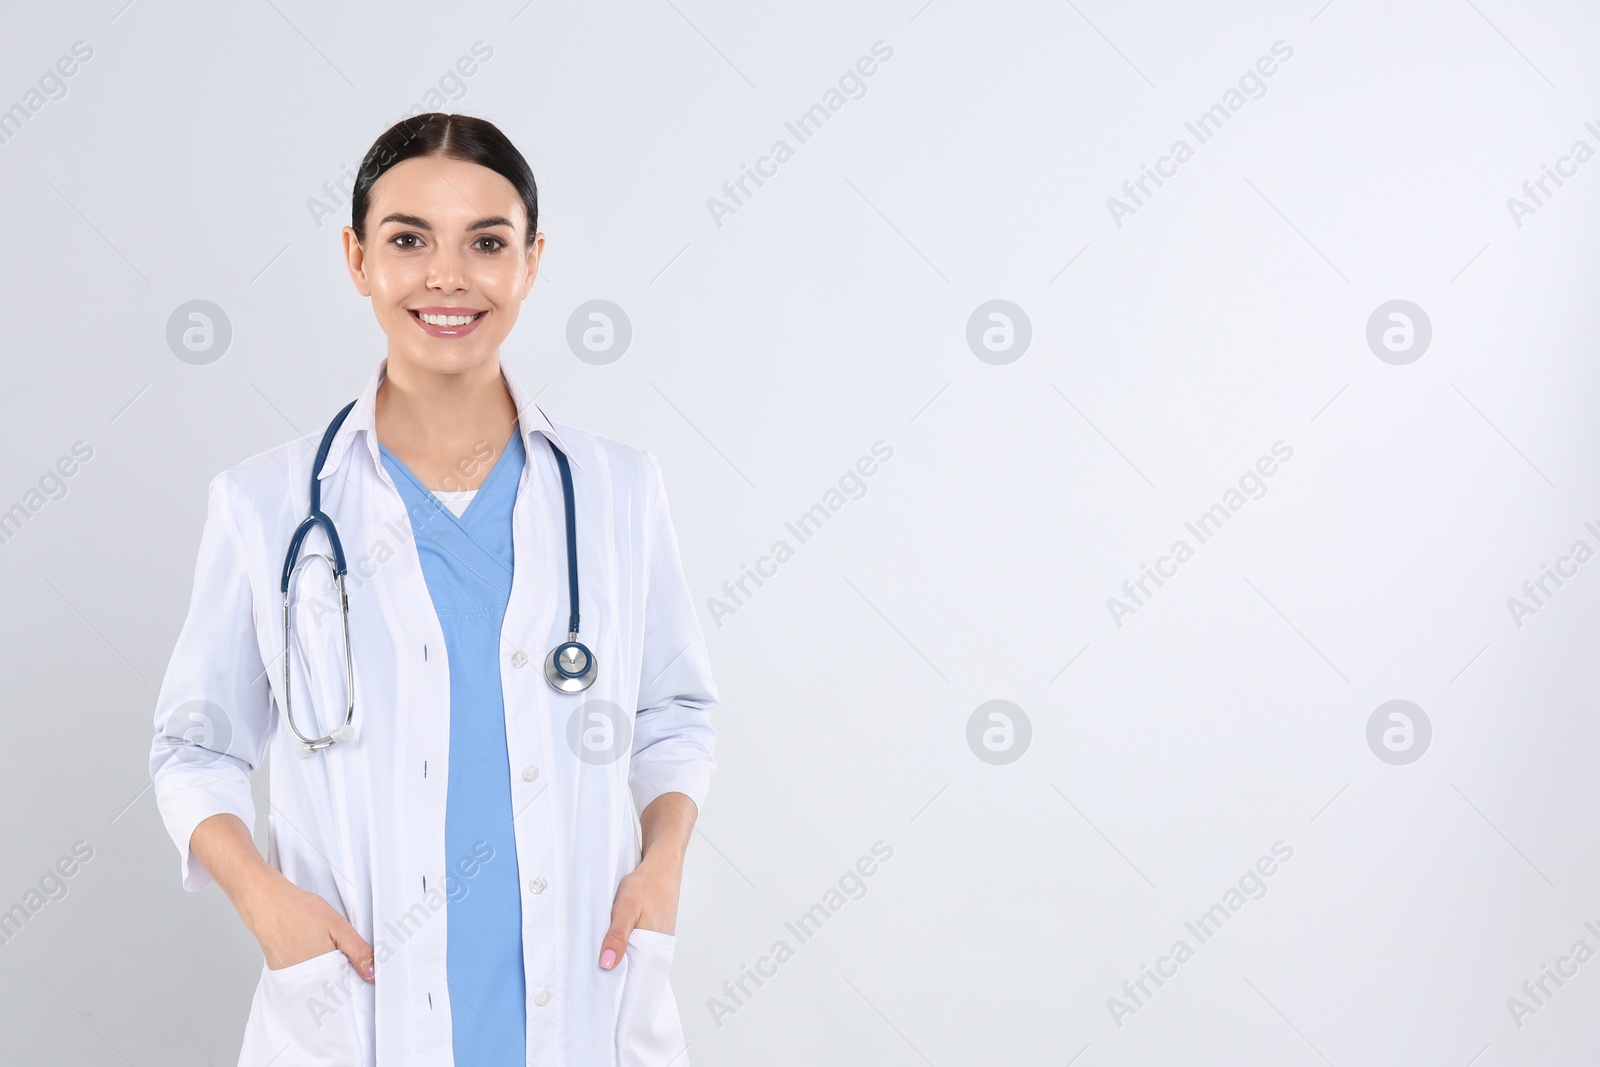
pixel 446 270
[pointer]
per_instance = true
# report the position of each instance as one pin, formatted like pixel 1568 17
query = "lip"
pixel 446 331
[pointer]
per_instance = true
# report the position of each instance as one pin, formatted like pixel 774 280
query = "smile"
pixel 446 322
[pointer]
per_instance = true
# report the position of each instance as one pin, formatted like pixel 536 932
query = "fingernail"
pixel 608 958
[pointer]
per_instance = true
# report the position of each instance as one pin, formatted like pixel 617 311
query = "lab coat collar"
pixel 362 417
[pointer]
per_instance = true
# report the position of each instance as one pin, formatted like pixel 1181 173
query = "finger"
pixel 615 943
pixel 355 948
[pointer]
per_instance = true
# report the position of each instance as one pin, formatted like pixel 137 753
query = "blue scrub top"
pixel 467 563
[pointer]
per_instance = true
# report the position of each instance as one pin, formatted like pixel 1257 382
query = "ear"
pixel 534 252
pixel 355 261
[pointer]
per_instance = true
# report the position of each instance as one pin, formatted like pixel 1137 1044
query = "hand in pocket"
pixel 293 925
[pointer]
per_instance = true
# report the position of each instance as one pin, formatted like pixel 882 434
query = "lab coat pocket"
pixel 649 1032
pixel 310 1014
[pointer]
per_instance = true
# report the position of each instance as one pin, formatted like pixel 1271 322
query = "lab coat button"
pixel 519 658
pixel 542 997
pixel 537 885
pixel 529 773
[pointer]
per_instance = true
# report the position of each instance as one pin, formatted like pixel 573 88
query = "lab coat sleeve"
pixel 213 711
pixel 673 740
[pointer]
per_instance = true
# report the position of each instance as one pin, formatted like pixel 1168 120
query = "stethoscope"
pixel 570 667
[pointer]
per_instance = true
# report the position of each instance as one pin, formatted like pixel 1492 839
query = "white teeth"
pixel 446 320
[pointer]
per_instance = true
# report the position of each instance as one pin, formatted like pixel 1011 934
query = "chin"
pixel 445 358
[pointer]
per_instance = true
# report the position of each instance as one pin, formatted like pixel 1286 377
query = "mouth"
pixel 446 322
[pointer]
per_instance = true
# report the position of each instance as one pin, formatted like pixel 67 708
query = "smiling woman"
pixel 437 737
pixel 418 262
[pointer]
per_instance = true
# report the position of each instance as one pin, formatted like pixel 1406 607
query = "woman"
pixel 457 876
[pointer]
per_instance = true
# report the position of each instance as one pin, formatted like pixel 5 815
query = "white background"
pixel 769 353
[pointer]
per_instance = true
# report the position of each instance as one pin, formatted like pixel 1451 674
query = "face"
pixel 446 261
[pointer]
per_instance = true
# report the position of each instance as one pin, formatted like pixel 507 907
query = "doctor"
pixel 485 869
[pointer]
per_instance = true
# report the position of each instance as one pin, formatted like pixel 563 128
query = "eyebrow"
pixel 422 224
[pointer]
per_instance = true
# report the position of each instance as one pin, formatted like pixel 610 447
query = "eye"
pixel 497 243
pixel 399 237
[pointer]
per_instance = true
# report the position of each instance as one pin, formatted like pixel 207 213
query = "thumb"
pixel 616 942
pixel 354 946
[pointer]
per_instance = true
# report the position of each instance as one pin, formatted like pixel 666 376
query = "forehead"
pixel 443 191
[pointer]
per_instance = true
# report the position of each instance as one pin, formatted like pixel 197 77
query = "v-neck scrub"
pixel 467 563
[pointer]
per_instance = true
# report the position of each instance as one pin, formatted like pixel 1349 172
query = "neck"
pixel 444 422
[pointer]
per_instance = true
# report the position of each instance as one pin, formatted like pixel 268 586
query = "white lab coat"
pixel 363 823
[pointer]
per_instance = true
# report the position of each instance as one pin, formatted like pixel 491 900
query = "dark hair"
pixel 461 137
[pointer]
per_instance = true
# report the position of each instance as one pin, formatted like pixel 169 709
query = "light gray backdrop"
pixel 1432 457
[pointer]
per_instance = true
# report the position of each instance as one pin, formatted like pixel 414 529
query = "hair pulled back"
pixel 462 137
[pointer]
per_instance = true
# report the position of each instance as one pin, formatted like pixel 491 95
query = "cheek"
pixel 504 285
pixel 391 283
pixel 504 291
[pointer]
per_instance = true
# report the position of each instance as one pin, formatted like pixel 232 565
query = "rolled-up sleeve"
pixel 673 740
pixel 213 713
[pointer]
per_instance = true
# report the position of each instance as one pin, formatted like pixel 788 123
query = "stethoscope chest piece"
pixel 570 667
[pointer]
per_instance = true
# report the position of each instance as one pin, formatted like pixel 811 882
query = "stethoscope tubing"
pixel 570 667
